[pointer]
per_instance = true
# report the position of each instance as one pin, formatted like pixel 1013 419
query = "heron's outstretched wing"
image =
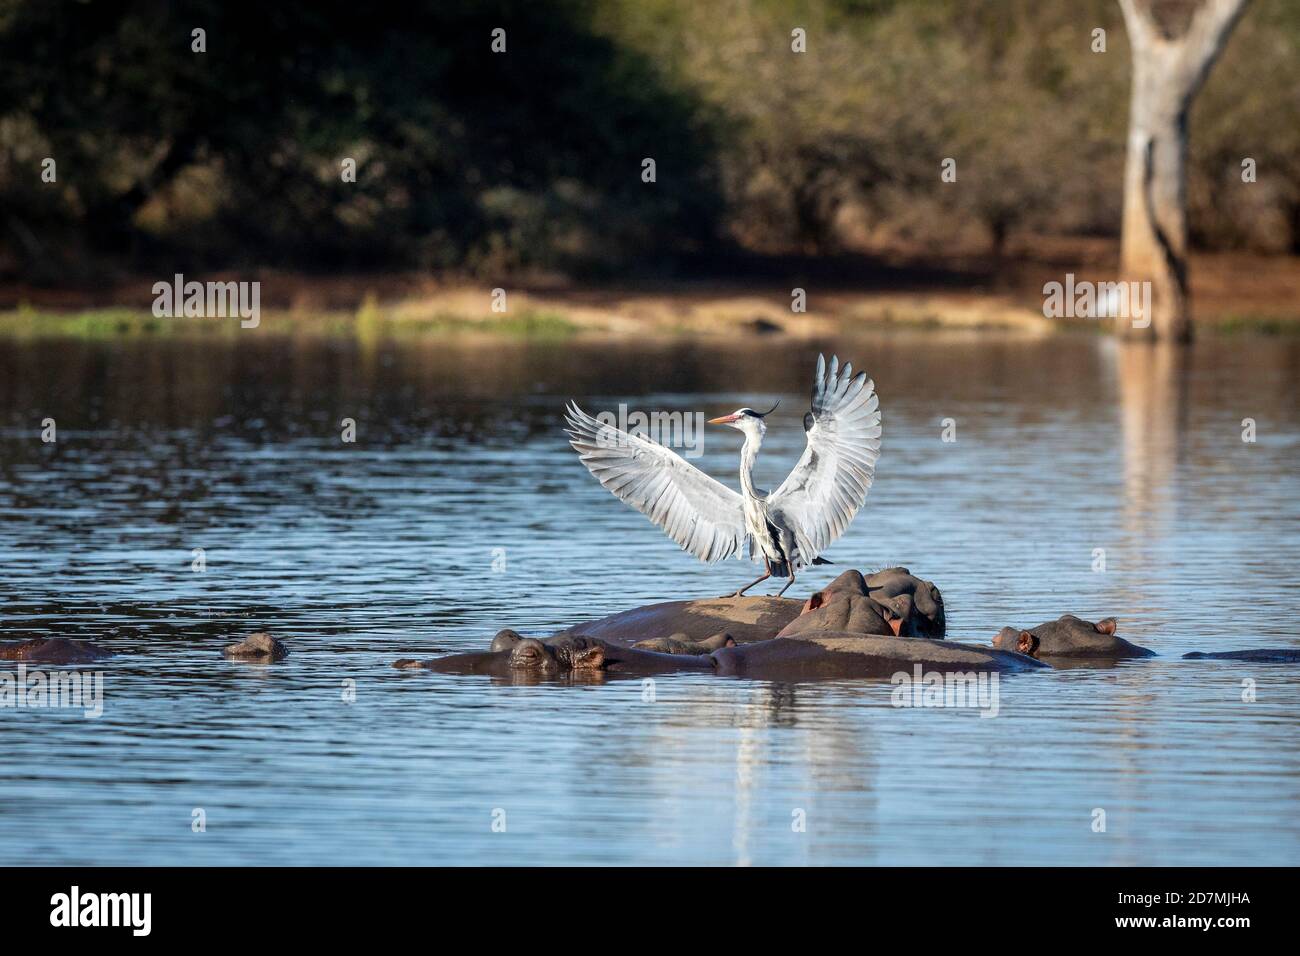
pixel 829 484
pixel 704 516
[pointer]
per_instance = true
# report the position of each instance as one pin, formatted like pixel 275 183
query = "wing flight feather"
pixel 701 514
pixel 829 485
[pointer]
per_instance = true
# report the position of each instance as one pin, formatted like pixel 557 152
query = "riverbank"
pixel 1232 293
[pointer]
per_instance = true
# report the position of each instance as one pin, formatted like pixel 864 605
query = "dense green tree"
pixel 465 156
pixel 491 162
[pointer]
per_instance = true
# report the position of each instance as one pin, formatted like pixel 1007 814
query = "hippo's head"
pixel 571 654
pixel 1069 636
pixel 893 601
pixel 53 650
pixel 1011 639
pixel 915 603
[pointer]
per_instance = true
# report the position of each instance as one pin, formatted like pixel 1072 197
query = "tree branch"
pixel 1140 25
pixel 1205 39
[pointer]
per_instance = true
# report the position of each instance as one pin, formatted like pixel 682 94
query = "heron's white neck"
pixel 748 455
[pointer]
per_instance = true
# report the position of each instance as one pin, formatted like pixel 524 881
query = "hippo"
pixel 53 650
pixel 812 657
pixel 1259 655
pixel 833 655
pixel 260 647
pixel 559 655
pixel 890 602
pixel 893 595
pixel 681 644
pixel 677 644
pixel 746 619
pixel 1070 636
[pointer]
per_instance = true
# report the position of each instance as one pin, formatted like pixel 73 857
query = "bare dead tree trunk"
pixel 1168 71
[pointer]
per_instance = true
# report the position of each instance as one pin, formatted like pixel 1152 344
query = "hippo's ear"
pixel 505 640
pixel 1105 626
pixel 729 641
pixel 815 600
pixel 1027 644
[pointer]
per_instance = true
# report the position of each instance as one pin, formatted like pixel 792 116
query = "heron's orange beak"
pixel 724 420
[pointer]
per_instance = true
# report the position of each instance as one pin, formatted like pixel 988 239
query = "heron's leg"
pixel 787 584
pixel 767 573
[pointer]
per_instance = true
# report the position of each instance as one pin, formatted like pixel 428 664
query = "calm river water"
pixel 460 509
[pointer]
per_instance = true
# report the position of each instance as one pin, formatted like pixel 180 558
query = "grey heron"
pixel 786 529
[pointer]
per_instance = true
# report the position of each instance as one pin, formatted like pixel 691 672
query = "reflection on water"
pixel 357 554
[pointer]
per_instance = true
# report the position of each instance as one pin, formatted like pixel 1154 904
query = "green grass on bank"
pixel 367 323
pixel 1252 324
pixel 373 322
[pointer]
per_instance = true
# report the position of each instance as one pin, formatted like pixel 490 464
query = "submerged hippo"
pixel 677 644
pixel 890 602
pixel 257 647
pixel 746 619
pixel 1259 655
pixel 1070 636
pixel 53 650
pixel 831 655
pixel 555 656
pixel 814 657
pixel 681 644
